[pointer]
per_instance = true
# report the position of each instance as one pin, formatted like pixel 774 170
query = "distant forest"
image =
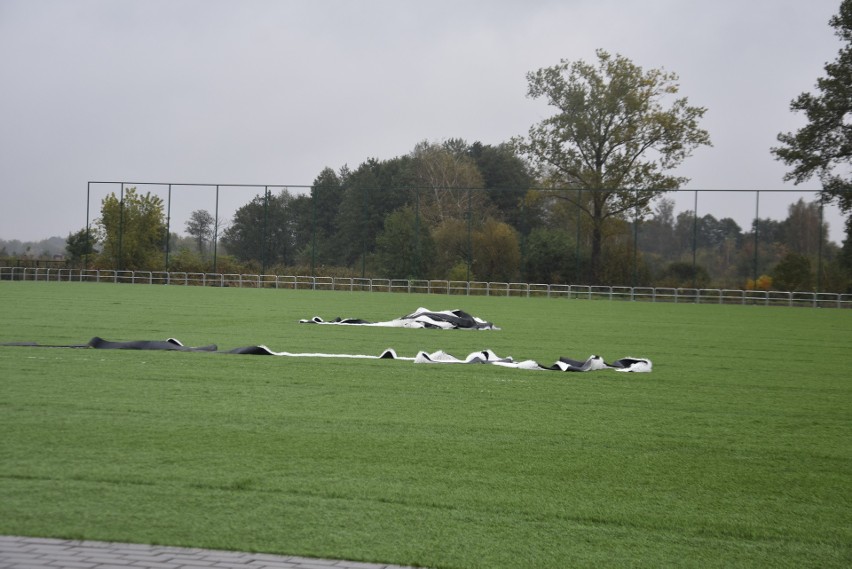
pixel 403 219
pixel 44 249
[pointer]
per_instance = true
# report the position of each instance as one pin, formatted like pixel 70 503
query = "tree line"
pixel 346 228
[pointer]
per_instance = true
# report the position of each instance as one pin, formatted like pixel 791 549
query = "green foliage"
pixel 132 231
pixel 658 232
pixel 846 251
pixel 189 262
pixel 327 192
pixel 836 277
pixel 200 226
pixel 714 459
pixel 491 250
pixel 452 246
pixel 80 245
pixel 506 176
pixel 793 273
pixel 264 230
pixel 712 233
pixel 621 263
pixel 803 231
pixel 345 227
pixel 370 193
pixel 461 271
pixel 447 173
pixel 496 252
pixel 823 147
pixel 229 264
pixel 681 274
pixel 615 134
pixel 550 256
pixel 405 248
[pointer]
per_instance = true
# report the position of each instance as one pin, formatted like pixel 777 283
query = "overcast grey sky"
pixel 273 91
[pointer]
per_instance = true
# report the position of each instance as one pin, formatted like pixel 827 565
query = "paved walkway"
pixel 40 553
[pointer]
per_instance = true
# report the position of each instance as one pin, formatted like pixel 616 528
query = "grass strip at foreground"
pixel 734 452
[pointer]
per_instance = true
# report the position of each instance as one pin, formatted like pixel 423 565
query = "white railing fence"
pixel 464 288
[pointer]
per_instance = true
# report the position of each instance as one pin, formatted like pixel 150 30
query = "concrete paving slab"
pixel 18 552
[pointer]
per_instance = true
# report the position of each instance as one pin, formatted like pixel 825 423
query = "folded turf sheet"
pixel 592 363
pixel 420 318
pixel 562 364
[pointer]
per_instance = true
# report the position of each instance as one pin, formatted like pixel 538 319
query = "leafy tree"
pixel 715 233
pixel 685 232
pixel 793 273
pixel 132 231
pixel 327 193
pixel 355 232
pixel 823 147
pixel 263 230
pixel 80 245
pixel 768 230
pixel 189 261
pixel 200 228
pixel 496 252
pixel 802 231
pixel 404 248
pixel 658 232
pixel 770 248
pixel 452 246
pixel 613 135
pixel 371 192
pixel 506 177
pixel 448 174
pixel 491 251
pixel 621 263
pixel 707 232
pixel 680 274
pixel 302 213
pixel 547 258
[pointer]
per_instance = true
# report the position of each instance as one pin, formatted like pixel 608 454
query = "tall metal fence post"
pixel 120 228
pixel 469 233
pixel 524 229
pixel 314 231
pixel 636 241
pixel 756 231
pixel 819 245
pixel 695 242
pixel 415 269
pixel 168 224
pixel 263 237
pixel 216 230
pixel 88 233
pixel 577 244
pixel 364 224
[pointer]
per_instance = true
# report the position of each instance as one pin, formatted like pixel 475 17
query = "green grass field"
pixel 735 451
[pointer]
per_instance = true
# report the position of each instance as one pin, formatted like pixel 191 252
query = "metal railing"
pixel 461 288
